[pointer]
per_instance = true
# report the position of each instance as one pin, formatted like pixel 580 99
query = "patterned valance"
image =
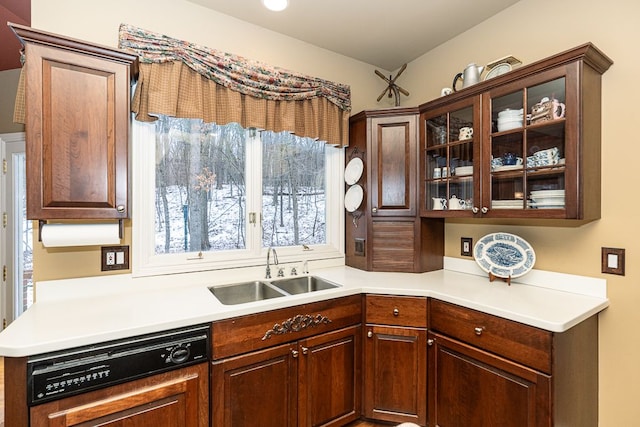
pixel 182 79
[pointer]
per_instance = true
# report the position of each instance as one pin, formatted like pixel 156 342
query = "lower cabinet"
pixel 310 382
pixel 471 387
pixel 176 398
pixel 486 371
pixel 395 359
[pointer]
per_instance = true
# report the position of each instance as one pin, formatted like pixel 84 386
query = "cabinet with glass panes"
pixel 449 153
pixel 536 143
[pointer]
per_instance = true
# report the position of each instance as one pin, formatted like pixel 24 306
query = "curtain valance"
pixel 182 79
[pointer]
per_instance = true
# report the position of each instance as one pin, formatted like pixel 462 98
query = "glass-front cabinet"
pixel 449 154
pixel 525 149
pixel 525 144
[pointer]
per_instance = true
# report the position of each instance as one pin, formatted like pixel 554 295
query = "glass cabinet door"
pixel 449 151
pixel 527 149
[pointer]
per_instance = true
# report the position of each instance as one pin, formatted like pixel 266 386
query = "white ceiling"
pixel 383 33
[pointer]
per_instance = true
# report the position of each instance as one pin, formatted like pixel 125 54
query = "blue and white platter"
pixel 504 255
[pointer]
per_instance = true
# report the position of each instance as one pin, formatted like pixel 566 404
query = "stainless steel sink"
pixel 301 285
pixel 239 293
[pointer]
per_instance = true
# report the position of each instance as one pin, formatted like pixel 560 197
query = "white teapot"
pixel 456 204
pixel 439 203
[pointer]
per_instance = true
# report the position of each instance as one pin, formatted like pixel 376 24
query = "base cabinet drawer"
pixel 522 343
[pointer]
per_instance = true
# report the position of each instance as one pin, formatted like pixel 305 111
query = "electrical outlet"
pixel 115 258
pixel 466 244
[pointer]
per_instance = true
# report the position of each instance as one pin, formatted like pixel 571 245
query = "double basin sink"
pixel 239 293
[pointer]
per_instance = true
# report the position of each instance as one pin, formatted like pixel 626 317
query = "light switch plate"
pixel 613 261
pixel 466 246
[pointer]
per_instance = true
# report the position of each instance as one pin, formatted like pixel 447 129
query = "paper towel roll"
pixel 58 235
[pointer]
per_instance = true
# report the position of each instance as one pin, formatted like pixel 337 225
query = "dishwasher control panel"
pixel 56 375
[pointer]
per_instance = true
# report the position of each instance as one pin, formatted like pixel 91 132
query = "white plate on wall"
pixel 504 255
pixel 353 171
pixel 353 198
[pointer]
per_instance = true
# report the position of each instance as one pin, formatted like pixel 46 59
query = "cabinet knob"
pixel 396 312
pixel 369 334
pixel 475 209
pixel 305 350
pixel 374 210
pixel 120 208
pixel 430 342
pixel 484 209
pixel 294 353
pixel 478 330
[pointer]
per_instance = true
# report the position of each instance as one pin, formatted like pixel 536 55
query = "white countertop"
pixel 80 312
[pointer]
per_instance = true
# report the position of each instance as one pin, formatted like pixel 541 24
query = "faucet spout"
pixel 275 261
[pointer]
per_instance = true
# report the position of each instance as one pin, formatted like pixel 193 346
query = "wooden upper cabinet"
pixel 77 127
pixel 393 164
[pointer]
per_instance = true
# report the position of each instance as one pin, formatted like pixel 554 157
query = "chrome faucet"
pixel 275 261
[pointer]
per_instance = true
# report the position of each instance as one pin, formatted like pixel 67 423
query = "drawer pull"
pixel 294 353
pixel 305 350
pixel 479 330
pixel 369 334
pixel 396 312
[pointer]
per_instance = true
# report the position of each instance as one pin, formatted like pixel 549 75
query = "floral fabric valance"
pixel 182 79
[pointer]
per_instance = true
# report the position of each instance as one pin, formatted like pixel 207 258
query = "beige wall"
pixel 530 30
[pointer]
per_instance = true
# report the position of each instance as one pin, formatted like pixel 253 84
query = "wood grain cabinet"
pixel 395 359
pixel 176 398
pixel 385 233
pixel 487 371
pixel 77 127
pixel 535 147
pixel 305 372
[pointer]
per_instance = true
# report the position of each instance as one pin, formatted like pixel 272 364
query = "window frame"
pixel 146 263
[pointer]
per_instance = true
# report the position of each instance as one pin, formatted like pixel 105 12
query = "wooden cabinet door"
pixel 329 378
pixel 257 388
pixel 471 387
pixel 395 374
pixel 77 126
pixel 393 165
pixel 177 398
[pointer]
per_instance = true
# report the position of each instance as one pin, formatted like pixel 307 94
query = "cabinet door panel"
pixel 175 399
pixel 393 169
pixel 329 378
pixel 471 387
pixel 77 135
pixel 395 385
pixel 258 388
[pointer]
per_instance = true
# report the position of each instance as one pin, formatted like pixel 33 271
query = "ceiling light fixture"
pixel 276 5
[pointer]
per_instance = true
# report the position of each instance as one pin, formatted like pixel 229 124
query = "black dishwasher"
pixel 55 375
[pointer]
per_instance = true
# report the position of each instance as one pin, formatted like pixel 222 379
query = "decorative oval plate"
pixel 353 171
pixel 504 255
pixel 498 70
pixel 353 198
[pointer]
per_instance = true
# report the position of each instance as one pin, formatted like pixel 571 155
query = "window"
pixel 211 197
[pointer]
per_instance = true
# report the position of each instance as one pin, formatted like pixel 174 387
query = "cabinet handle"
pixel 305 350
pixel 478 330
pixel 374 210
pixel 370 334
pixel 430 342
pixel 295 353
pixel 484 209
pixel 120 208
pixel 475 210
pixel 396 312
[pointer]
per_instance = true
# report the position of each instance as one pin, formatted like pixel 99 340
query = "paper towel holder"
pixel 42 222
